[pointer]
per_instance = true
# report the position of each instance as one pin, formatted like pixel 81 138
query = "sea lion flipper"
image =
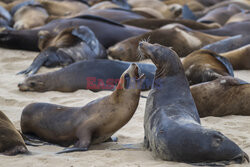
pixel 73 149
pixel 188 14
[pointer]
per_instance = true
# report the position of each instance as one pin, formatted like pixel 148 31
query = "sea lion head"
pixel 33 83
pixel 131 79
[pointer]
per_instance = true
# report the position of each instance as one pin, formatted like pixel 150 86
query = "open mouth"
pixel 241 158
pixel 138 74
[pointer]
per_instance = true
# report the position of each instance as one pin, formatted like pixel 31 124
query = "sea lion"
pixel 11 142
pixel 231 29
pixel 171 122
pixel 71 45
pixel 82 126
pixel 121 3
pixel 239 17
pixel 30 16
pixel 171 36
pixel 95 75
pixel 239 58
pixel 228 44
pixel 221 97
pixel 148 12
pixel 204 65
pixel 158 23
pixel 220 15
pixel 104 5
pixel 105 30
pixel 192 4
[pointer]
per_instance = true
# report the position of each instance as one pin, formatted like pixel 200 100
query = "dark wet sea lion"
pixel 228 44
pixel 221 97
pixel 11 142
pixel 95 75
pixel 94 123
pixel 105 30
pixel 220 15
pixel 69 46
pixel 204 65
pixel 171 122
pixel 172 36
pixel 157 23
pixel 239 58
pixel 231 29
pixel 30 16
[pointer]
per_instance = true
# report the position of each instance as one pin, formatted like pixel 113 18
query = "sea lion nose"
pixel 19 85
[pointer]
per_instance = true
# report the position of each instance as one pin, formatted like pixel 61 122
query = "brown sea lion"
pixel 172 126
pixel 30 16
pixel 169 12
pixel 171 36
pixel 82 126
pixel 104 5
pixel 11 142
pixel 192 4
pixel 239 58
pixel 157 23
pixel 148 12
pixel 220 15
pixel 204 65
pixel 221 97
pixel 239 17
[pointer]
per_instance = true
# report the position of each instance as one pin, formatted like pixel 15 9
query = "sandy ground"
pixel 12 102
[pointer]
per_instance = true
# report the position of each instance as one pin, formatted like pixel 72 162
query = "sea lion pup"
pixel 171 35
pixel 5 17
pixel 105 30
pixel 230 29
pixel 71 45
pixel 239 17
pixel 220 15
pixel 204 65
pixel 171 122
pixel 168 11
pixel 221 97
pixel 158 23
pixel 30 16
pixel 11 142
pixel 94 123
pixel 239 58
pixel 63 8
pixel 95 75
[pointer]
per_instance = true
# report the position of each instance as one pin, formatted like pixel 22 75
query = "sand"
pixel 12 102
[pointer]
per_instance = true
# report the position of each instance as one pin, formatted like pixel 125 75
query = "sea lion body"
pixel 5 17
pixel 171 36
pixel 95 75
pixel 105 31
pixel 93 123
pixel 221 97
pixel 239 17
pixel 171 123
pixel 69 46
pixel 239 58
pixel 204 65
pixel 11 142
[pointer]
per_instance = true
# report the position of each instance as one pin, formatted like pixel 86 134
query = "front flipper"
pixel 72 149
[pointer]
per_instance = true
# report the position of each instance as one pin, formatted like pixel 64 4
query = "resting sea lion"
pixel 82 126
pixel 239 58
pixel 204 65
pixel 30 16
pixel 148 12
pixel 11 142
pixel 220 15
pixel 228 44
pixel 231 29
pixel 107 32
pixel 182 39
pixel 121 3
pixel 239 17
pixel 158 23
pixel 95 75
pixel 171 121
pixel 69 46
pixel 221 97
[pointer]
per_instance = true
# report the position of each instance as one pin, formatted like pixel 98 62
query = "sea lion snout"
pixel 241 158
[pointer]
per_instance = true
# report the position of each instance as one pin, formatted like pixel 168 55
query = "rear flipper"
pixel 31 140
pixel 50 57
pixel 188 14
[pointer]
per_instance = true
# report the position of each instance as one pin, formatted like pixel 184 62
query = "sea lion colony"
pixel 211 38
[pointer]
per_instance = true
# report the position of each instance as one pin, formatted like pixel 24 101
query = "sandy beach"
pixel 12 102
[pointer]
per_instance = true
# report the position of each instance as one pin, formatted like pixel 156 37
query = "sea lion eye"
pixel 217 139
pixel 32 84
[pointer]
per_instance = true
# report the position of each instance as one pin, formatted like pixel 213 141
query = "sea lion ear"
pixel 86 35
